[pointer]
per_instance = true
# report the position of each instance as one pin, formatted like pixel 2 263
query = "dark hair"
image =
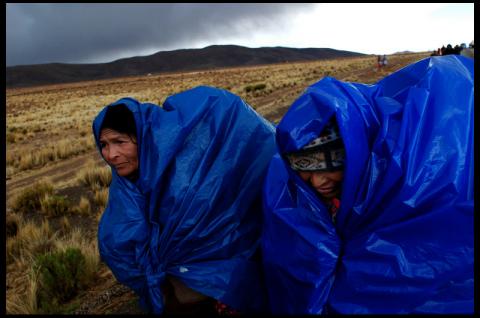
pixel 120 118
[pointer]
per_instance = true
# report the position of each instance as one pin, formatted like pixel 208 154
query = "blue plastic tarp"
pixel 195 211
pixel 403 238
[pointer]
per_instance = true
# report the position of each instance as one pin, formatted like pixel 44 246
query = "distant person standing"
pixel 449 50
pixel 384 60
pixel 457 49
pixel 468 52
pixel 379 62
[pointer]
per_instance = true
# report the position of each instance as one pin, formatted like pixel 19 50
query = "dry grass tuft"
pixel 30 241
pixel 24 302
pixel 29 200
pixel 83 207
pixel 55 205
pixel 64 225
pixel 12 223
pixel 95 176
pixel 100 197
pixel 50 152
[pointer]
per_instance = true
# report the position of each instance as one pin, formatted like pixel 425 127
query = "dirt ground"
pixel 108 296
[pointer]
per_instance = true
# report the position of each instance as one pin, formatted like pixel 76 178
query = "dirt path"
pixel 369 74
pixel 60 173
pixel 108 296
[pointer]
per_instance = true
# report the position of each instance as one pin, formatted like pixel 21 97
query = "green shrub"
pixel 259 87
pixel 29 199
pixel 61 276
pixel 253 88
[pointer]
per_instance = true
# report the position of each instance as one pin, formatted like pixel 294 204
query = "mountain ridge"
pixel 210 57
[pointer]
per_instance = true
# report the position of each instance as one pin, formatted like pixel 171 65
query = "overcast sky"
pixel 97 33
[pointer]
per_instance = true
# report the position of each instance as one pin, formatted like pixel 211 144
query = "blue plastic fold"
pixel 195 211
pixel 403 239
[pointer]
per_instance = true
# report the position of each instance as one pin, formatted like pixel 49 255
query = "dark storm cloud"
pixel 73 33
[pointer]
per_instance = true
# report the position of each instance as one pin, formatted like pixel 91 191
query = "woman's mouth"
pixel 120 165
pixel 325 189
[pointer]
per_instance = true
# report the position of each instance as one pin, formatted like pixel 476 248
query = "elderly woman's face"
pixel 120 151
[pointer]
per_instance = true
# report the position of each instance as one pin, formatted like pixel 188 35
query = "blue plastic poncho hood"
pixel 403 238
pixel 195 211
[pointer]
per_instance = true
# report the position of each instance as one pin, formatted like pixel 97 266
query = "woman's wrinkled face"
pixel 120 151
pixel 327 184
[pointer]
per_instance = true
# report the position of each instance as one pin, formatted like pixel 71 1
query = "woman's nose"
pixel 317 179
pixel 110 153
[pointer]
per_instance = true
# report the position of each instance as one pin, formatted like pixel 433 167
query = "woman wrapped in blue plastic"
pixel 184 202
pixel 382 221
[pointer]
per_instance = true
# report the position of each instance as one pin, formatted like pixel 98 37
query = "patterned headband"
pixel 325 153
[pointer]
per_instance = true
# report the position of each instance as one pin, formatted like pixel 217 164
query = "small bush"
pixel 54 205
pixel 259 87
pixel 62 276
pixel 76 238
pixel 253 88
pixel 29 199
